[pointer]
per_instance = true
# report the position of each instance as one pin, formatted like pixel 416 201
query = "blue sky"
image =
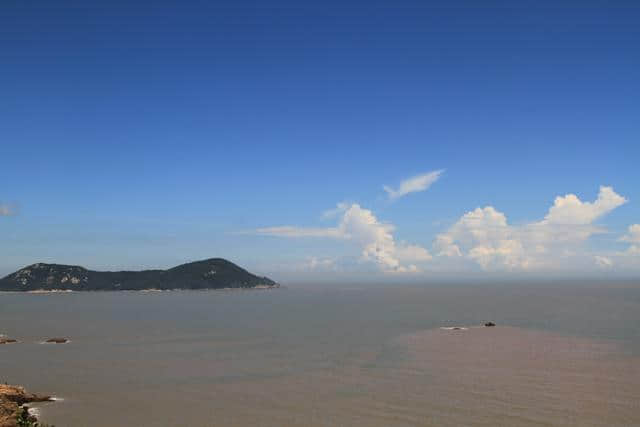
pixel 148 134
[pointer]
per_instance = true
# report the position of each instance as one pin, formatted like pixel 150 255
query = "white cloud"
pixel 414 184
pixel 374 238
pixel 485 237
pixel 481 238
pixel 412 253
pixel 603 262
pixel 633 250
pixel 571 220
pixel 292 231
pixel 332 213
pixel 320 264
pixel 445 245
pixel 507 253
pixel 633 237
pixel 569 209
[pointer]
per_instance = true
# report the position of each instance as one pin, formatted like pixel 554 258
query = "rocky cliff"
pixel 12 411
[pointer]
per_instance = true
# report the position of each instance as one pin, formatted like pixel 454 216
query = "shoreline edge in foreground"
pixel 13 411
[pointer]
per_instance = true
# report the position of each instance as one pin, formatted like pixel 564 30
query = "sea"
pixel 561 354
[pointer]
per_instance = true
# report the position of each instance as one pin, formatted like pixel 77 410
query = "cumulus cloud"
pixel 412 253
pixel 633 234
pixel 481 238
pixel 374 238
pixel 414 184
pixel 569 209
pixel 485 237
pixel 633 237
pixel 571 220
pixel 445 245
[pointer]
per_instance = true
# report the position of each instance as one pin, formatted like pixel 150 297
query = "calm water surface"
pixel 563 354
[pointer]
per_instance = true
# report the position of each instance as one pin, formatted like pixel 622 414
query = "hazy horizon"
pixel 329 278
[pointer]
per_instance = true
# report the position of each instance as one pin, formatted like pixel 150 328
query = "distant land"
pixel 214 273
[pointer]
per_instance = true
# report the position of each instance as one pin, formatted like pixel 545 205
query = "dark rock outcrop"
pixel 57 340
pixel 4 340
pixel 489 324
pixel 214 273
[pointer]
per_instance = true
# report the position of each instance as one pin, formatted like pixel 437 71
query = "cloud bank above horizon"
pixel 361 227
pixel 481 239
pixel 485 237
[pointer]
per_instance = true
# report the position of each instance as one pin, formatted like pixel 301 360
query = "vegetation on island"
pixel 214 273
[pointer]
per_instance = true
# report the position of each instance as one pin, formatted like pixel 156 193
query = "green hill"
pixel 214 273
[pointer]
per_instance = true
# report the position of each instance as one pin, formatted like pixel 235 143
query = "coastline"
pixel 13 409
pixel 148 290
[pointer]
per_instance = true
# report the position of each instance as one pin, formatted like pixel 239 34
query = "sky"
pixel 310 139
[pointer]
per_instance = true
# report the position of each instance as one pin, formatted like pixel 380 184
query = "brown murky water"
pixel 360 356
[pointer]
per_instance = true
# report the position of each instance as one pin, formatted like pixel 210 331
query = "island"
pixel 214 273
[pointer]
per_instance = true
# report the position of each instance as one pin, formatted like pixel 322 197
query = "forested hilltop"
pixel 214 273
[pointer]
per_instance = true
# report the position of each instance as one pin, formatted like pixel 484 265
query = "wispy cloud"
pixel 292 231
pixel 332 213
pixel 603 261
pixel 414 184
pixel 320 264
pixel 7 210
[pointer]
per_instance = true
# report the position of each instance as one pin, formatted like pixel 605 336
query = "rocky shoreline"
pixel 13 409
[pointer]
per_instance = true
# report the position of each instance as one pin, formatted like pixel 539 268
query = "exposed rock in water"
pixel 12 399
pixel 214 273
pixel 489 324
pixel 4 340
pixel 57 340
